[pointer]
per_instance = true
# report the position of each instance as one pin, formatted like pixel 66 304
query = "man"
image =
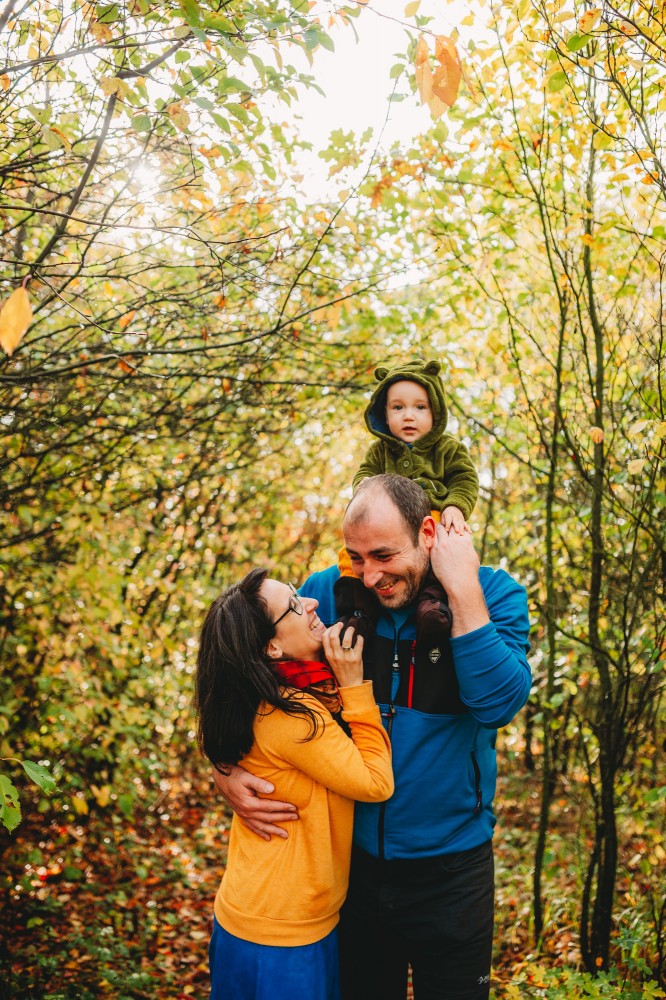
pixel 421 885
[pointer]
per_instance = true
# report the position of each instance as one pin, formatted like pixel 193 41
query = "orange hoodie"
pixel 289 892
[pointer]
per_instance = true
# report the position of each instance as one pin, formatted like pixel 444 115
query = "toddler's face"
pixel 408 411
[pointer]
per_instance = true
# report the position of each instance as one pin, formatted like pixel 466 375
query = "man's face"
pixel 383 555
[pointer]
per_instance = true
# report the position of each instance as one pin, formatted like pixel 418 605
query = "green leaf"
pixel 10 811
pixel 42 115
pixel 223 123
pixel 39 775
pixel 396 71
pixel 182 31
pixel 51 140
pixel 72 874
pixel 238 112
pixel 231 84
pixel 192 11
pixel 107 13
pixel 577 42
pixel 557 81
pixel 140 123
pixel 126 805
pixel 311 38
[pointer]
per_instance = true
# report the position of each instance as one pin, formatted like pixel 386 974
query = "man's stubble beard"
pixel 413 581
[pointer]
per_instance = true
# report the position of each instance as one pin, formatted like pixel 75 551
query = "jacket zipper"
pixel 389 715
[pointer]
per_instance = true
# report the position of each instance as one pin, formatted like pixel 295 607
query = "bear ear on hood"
pixel 433 368
pixel 381 373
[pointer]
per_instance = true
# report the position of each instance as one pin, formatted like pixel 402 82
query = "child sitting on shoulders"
pixel 407 414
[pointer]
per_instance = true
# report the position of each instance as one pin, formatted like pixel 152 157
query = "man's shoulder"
pixel 496 582
pixel 506 600
pixel 320 586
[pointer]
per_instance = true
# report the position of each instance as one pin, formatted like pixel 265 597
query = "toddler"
pixel 407 414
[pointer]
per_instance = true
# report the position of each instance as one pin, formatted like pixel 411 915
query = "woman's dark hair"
pixel 235 674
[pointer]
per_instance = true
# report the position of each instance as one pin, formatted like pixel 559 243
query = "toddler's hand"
pixel 452 517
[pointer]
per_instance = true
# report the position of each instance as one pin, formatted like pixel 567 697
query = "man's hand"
pixel 455 563
pixel 242 790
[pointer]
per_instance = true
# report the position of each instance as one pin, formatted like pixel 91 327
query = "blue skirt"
pixel 242 970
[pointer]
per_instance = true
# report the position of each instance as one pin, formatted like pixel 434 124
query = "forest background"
pixel 187 351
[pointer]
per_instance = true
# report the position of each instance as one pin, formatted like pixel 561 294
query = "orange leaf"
pixel 422 51
pixel 597 434
pixel 5 82
pixel 125 320
pixel 423 71
pixel 130 369
pixel 63 138
pixel 449 73
pixel 15 318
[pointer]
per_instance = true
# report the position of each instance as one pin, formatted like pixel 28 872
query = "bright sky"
pixel 356 80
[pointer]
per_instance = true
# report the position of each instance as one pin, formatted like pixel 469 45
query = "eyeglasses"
pixel 294 605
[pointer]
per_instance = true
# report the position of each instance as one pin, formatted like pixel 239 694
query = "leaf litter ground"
pixel 111 907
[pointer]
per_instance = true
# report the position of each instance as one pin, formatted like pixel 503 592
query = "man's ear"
pixel 429 529
pixel 273 650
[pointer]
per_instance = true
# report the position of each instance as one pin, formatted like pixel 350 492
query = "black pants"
pixel 435 914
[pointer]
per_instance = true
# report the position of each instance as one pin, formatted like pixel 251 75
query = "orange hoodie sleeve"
pixel 358 768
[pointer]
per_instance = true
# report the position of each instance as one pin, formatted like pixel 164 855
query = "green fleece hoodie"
pixel 437 461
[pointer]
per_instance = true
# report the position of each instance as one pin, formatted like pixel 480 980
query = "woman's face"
pixel 297 637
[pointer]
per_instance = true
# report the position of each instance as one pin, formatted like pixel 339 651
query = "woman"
pixel 260 693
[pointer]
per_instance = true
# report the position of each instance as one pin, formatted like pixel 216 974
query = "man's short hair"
pixel 410 499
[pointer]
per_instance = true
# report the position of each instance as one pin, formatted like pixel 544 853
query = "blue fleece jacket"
pixel 442 708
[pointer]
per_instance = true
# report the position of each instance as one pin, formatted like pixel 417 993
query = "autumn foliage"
pixel 187 343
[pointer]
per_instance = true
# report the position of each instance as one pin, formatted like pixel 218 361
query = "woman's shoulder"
pixel 275 716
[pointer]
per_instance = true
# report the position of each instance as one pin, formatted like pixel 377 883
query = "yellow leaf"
pixel 15 318
pixel 637 427
pixel 411 8
pixel 125 320
pixel 636 466
pixel 109 85
pixel 5 82
pixel 100 32
pixel 437 106
pixel 178 116
pixel 596 434
pixel 79 805
pixel 660 429
pixel 102 795
pixel 588 20
pixel 587 239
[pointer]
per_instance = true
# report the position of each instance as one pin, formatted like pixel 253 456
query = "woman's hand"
pixel 345 661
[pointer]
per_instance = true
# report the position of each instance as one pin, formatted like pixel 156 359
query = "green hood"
pixel 426 373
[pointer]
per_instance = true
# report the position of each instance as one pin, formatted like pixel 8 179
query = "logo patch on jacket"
pixel 434 654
